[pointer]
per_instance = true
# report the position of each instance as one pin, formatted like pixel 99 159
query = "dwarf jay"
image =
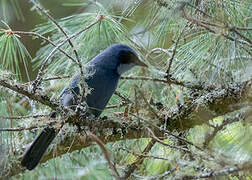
pixel 105 69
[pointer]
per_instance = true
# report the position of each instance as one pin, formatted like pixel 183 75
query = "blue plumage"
pixel 105 69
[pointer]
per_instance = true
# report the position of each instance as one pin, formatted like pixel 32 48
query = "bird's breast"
pixel 103 83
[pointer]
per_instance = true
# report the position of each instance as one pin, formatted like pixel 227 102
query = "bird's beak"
pixel 140 63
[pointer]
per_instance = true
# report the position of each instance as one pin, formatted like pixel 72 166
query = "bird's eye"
pixel 125 57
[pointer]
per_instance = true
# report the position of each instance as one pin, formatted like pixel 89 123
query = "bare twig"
pixel 160 176
pixel 208 157
pixel 194 21
pixel 199 10
pixel 28 128
pixel 144 79
pixel 234 29
pixel 222 172
pixel 148 105
pixel 143 155
pixel 106 154
pixel 173 81
pixel 131 168
pixel 183 140
pixel 57 77
pixel 174 52
pixel 171 134
pixel 244 28
pixel 24 117
pixel 228 119
pixel 165 144
pixel 19 129
pixel 167 51
pixel 117 105
pixel 127 100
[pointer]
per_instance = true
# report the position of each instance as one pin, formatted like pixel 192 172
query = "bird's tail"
pixel 37 149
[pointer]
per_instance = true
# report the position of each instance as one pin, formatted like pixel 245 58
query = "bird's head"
pixel 127 58
pixel 118 57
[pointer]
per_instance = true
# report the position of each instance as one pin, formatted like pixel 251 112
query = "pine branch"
pixel 226 97
pixel 212 30
pixel 39 78
pixel 37 5
pixel 43 99
pixel 42 38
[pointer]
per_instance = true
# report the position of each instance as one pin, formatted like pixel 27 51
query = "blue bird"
pixel 105 69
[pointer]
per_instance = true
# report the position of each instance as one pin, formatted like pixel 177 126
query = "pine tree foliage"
pixel 190 110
